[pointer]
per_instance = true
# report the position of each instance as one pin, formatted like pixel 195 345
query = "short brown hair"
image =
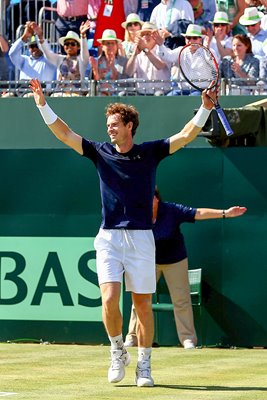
pixel 246 41
pixel 128 113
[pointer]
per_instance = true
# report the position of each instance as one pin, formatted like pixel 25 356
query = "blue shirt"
pixel 31 67
pixel 169 240
pixel 127 181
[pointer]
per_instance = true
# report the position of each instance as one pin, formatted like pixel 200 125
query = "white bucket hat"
pixel 109 34
pixel 70 35
pixel 251 16
pixel 220 17
pixel 148 27
pixel 193 30
pixel 132 18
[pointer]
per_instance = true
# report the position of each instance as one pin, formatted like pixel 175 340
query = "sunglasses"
pixel 33 46
pixel 109 43
pixel 73 44
pixel 133 24
pixel 219 24
pixel 193 37
pixel 249 26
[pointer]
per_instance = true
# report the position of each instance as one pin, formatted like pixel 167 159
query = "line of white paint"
pixel 4 394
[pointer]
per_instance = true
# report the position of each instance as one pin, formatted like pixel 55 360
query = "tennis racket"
pixel 200 69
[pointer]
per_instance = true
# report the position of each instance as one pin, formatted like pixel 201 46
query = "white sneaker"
pixel 189 344
pixel 130 343
pixel 143 374
pixel 119 360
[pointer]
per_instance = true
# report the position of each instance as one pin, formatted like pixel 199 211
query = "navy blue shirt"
pixel 169 240
pixel 127 181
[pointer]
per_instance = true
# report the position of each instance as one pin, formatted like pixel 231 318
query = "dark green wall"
pixel 48 190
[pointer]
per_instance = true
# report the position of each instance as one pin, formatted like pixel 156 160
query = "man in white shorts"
pixel 125 243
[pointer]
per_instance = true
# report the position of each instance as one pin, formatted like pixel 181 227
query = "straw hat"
pixel 220 17
pixel 132 18
pixel 251 16
pixel 148 27
pixel 70 35
pixel 109 34
pixel 193 30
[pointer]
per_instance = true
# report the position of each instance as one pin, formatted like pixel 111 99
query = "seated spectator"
pixel 145 8
pixel 34 65
pixel 202 15
pixel 193 35
pixel 132 25
pixel 252 21
pixel 110 65
pixel 219 39
pixel 146 65
pixel 234 9
pixel 242 64
pixel 3 59
pixel 168 11
pixel 70 16
pixel 72 65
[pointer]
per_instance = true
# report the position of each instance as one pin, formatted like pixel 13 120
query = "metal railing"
pixel 127 87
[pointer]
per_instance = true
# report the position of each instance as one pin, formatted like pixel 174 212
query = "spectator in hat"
pixel 219 39
pixel 132 27
pixel 144 64
pixel 202 14
pixel 71 65
pixel 251 19
pixel 193 34
pixel 34 65
pixel 243 64
pixel 110 65
pixel 234 10
pixel 165 13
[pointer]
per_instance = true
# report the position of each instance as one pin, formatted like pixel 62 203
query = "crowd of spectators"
pixel 137 41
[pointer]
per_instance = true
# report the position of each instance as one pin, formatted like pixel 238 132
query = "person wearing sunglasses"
pixel 72 65
pixel 132 26
pixel 219 38
pixel 251 19
pixel 34 64
pixel 192 35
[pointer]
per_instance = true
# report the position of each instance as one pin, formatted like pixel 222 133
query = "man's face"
pixel 148 38
pixel 254 29
pixel 35 51
pixel 117 131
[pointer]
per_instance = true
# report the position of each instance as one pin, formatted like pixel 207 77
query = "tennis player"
pixel 125 243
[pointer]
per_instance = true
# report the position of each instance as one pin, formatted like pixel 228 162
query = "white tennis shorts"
pixel 128 252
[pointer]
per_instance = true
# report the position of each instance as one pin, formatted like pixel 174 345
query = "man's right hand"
pixel 37 90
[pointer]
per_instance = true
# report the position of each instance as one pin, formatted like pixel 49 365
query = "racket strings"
pixel 198 66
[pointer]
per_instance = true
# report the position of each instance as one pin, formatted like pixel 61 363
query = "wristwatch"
pixel 145 50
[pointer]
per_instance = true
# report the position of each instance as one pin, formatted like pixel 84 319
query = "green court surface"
pixel 72 372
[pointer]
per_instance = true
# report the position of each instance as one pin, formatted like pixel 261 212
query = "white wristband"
pixel 48 114
pixel 201 117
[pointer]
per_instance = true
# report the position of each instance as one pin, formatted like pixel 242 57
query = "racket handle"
pixel 224 121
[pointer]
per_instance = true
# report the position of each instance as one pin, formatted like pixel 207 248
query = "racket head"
pixel 198 66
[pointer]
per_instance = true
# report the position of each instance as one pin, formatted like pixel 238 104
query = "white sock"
pixel 116 342
pixel 144 353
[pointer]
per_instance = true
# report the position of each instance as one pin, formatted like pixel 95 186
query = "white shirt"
pixel 227 43
pixel 164 14
pixel 144 69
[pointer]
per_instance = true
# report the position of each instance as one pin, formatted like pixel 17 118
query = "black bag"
pixel 176 29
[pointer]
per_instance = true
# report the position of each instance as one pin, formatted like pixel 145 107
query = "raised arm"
pixel 193 127
pixel 212 213
pixel 58 127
